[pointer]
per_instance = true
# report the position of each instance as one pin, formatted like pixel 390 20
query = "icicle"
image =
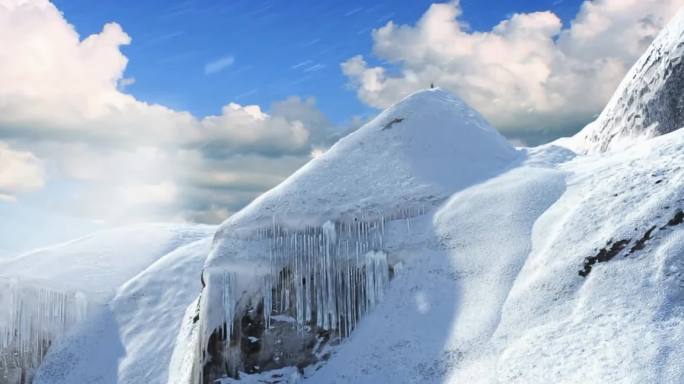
pixel 31 319
pixel 229 301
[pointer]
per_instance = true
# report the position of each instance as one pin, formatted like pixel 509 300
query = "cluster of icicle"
pixel 327 276
pixel 31 319
pixel 324 277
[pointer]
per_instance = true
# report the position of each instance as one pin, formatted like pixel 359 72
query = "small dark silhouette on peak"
pixel 432 85
pixel 391 123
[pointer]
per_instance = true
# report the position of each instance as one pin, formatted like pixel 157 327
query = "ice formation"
pixel 31 319
pixel 318 283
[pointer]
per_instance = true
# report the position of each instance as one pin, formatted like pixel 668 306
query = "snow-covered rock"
pixel 314 248
pixel 648 102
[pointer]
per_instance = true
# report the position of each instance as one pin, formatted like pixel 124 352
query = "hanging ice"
pixel 31 319
pixel 320 281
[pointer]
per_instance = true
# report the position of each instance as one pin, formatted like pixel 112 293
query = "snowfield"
pixel 422 248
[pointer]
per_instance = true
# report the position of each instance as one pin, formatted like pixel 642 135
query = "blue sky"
pixel 188 110
pixel 278 48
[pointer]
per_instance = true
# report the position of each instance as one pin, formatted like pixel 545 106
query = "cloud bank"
pixel 70 133
pixel 530 76
pixel 63 104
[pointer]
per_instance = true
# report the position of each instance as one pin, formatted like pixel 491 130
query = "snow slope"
pixel 132 339
pixel 100 263
pixel 648 102
pixel 47 292
pixel 446 302
pixel 497 295
pixel 412 154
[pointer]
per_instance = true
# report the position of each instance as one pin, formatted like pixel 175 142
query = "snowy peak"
pixel 416 152
pixel 309 257
pixel 649 101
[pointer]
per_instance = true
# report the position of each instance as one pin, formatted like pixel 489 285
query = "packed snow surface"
pixel 496 294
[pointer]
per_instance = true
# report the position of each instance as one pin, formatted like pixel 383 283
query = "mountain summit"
pixel 416 152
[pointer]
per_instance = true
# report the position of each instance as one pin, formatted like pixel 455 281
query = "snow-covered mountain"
pixel 649 101
pixel 422 248
pixel 312 256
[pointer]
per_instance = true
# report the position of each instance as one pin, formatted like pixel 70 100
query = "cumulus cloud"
pixel 19 172
pixel 530 76
pixel 63 100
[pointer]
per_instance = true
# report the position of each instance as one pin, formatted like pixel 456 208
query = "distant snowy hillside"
pixel 100 263
pixel 133 339
pixel 46 292
pixel 648 102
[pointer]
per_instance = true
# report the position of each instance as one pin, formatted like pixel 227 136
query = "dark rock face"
pixel 650 100
pixel 255 346
pixel 613 249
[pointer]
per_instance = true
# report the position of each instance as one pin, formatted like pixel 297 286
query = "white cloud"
pixel 527 74
pixel 19 172
pixel 218 65
pixel 125 82
pixel 63 100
